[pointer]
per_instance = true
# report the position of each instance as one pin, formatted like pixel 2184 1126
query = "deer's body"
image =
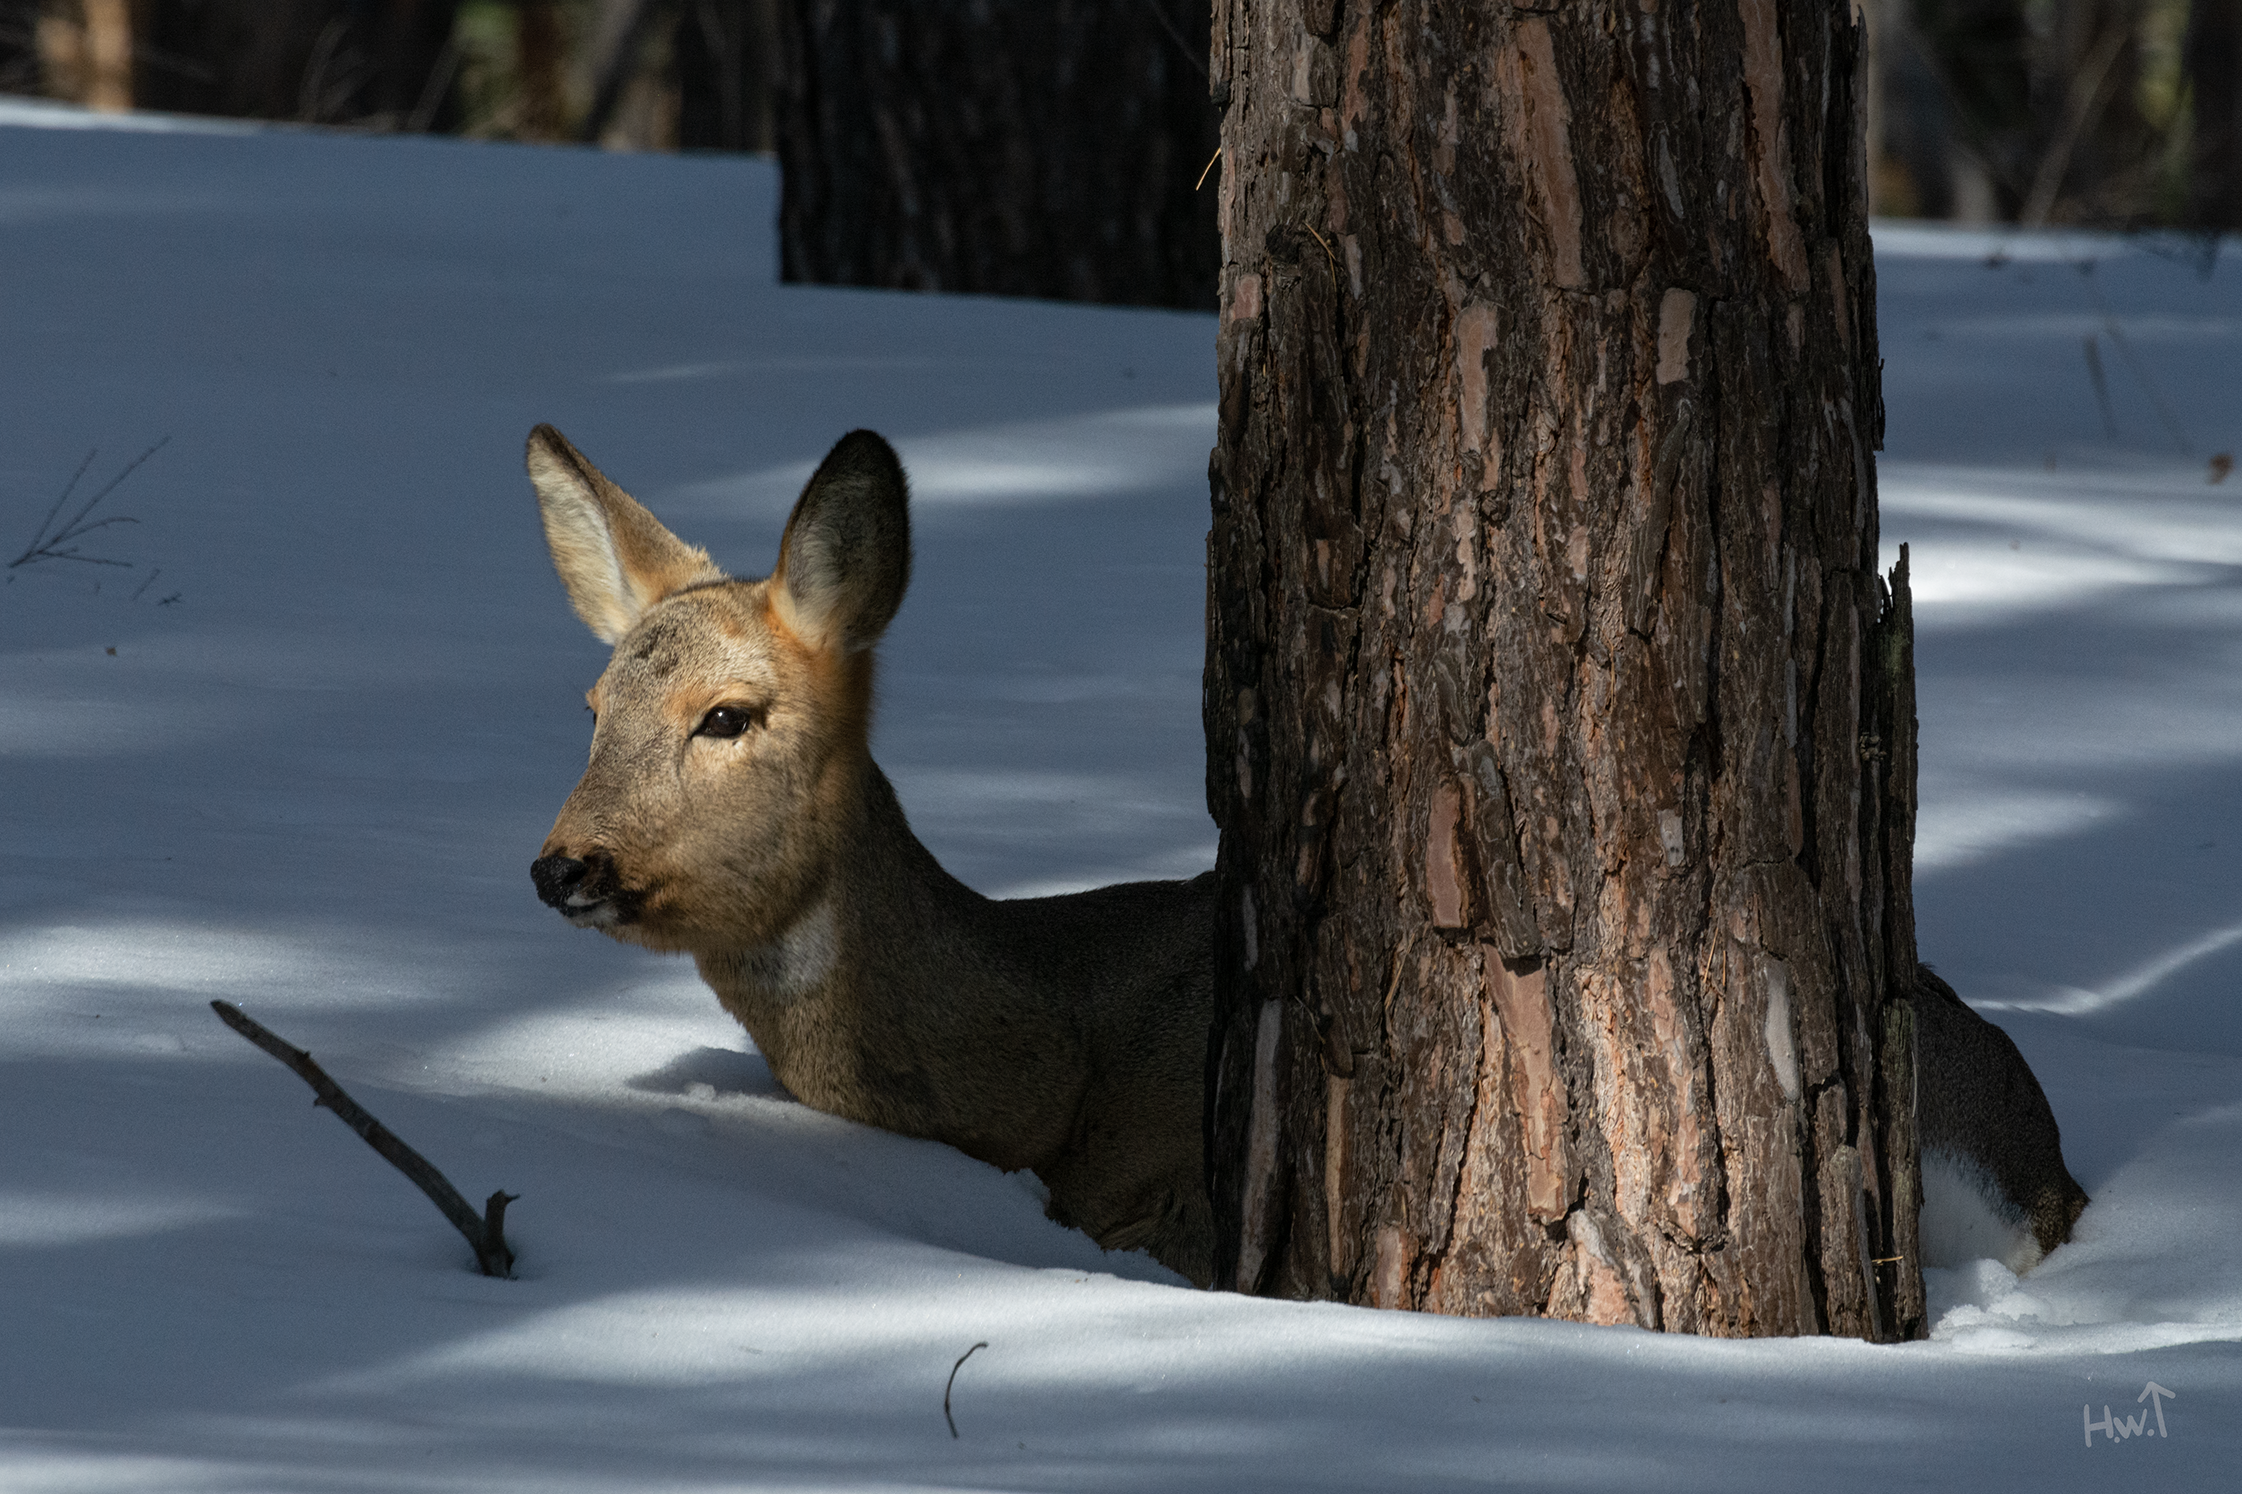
pixel 732 811
pixel 1062 1034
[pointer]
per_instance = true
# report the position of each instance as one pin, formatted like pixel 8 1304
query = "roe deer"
pixel 732 811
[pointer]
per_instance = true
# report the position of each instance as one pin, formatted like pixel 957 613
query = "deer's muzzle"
pixel 585 891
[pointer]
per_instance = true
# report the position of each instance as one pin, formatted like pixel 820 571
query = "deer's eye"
pixel 725 721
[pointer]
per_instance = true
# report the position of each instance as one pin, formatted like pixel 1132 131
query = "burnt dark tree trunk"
pixel 2212 60
pixel 1958 106
pixel 20 69
pixel 1015 147
pixel 1560 726
pixel 540 71
pixel 724 74
pixel 376 63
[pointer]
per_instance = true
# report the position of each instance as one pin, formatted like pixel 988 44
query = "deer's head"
pixel 730 736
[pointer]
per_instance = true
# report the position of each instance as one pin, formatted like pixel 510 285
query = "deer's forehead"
pixel 709 636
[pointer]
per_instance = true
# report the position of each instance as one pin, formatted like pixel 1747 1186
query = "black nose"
pixel 556 877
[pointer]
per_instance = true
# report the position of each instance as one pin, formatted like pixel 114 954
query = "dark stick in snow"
pixel 946 1416
pixel 486 1233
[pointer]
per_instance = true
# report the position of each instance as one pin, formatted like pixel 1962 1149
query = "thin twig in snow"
pixel 2124 346
pixel 2101 387
pixel 44 545
pixel 2164 414
pixel 946 1416
pixel 64 497
pixel 487 1233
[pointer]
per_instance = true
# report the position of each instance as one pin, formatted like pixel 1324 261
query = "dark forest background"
pixel 1056 148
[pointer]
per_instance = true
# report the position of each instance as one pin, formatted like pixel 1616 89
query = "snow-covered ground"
pixel 301 749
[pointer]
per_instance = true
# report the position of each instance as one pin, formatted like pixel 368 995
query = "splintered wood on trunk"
pixel 1560 726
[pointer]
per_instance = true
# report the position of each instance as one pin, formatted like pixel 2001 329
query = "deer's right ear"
pixel 846 558
pixel 614 557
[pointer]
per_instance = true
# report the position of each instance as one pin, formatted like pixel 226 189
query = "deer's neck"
pixel 794 966
pixel 904 999
pixel 886 922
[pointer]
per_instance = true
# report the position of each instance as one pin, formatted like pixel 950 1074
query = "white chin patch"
pixel 1965 1218
pixel 591 916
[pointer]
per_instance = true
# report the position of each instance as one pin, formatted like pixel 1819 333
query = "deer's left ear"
pixel 614 557
pixel 846 558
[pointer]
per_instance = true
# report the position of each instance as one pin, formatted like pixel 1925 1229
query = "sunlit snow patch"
pixel 1080 456
pixel 1978 821
pixel 40 114
pixel 36 1218
pixel 2076 1001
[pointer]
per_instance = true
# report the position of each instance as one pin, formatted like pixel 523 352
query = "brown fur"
pixel 1062 1034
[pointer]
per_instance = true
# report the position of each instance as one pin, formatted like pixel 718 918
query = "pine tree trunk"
pixel 1560 728
pixel 1015 147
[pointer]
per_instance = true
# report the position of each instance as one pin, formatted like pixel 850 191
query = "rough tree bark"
pixel 1014 147
pixel 1560 728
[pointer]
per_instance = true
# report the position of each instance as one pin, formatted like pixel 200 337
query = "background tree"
pixel 2039 111
pixel 369 63
pixel 378 64
pixel 2213 63
pixel 1560 728
pixel 700 73
pixel 1955 116
pixel 1018 147
pixel 2089 135
pixel 1015 147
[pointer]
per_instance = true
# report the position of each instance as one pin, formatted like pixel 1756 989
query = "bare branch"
pixel 68 488
pixel 2088 95
pixel 485 1232
pixel 71 530
pixel 47 546
pixel 946 1416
